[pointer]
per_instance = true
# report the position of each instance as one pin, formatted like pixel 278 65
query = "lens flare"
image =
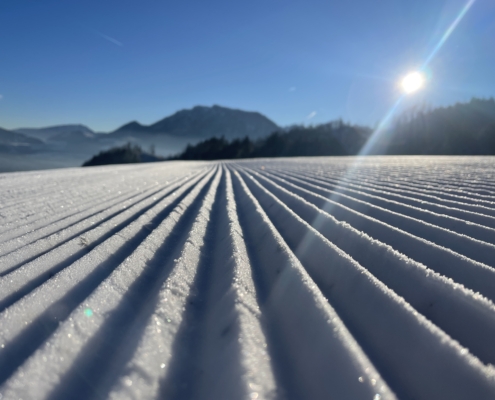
pixel 385 122
pixel 412 82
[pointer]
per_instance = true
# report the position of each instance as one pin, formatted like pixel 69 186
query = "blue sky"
pixel 104 63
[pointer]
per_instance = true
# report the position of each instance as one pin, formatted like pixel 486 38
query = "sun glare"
pixel 412 82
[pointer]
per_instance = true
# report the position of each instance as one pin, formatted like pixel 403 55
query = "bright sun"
pixel 412 82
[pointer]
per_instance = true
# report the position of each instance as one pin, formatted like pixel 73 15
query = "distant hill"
pixel 168 135
pixel 74 136
pixel 206 122
pixel 127 154
pixel 220 132
pixel 52 131
pixel 14 142
pixel 69 140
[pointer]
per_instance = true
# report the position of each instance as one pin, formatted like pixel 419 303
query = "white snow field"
pixel 309 278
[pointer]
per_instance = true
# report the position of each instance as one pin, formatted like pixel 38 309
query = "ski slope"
pixel 311 278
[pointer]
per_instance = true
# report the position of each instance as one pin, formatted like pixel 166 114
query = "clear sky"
pixel 106 62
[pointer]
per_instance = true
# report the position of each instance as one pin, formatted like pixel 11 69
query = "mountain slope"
pixel 74 136
pixel 14 142
pixel 206 122
pixel 51 131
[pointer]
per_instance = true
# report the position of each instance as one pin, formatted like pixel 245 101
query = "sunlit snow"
pixel 317 278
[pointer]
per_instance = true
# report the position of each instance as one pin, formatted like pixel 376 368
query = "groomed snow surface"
pixel 318 278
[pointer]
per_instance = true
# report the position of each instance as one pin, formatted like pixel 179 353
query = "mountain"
pixel 74 136
pixel 205 122
pixel 15 139
pixel 70 140
pixel 133 126
pixel 13 142
pixel 52 131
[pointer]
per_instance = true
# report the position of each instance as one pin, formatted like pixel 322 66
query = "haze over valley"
pixel 70 145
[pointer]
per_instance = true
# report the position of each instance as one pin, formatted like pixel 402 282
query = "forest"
pixel 126 154
pixel 460 129
pixel 320 140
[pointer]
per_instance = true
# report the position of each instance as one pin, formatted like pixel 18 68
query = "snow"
pixel 346 278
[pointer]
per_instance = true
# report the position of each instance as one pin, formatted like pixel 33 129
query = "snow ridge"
pixel 342 278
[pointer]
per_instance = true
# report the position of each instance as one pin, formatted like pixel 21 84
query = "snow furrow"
pixel 280 279
pixel 223 341
pixel 33 319
pixel 475 249
pixel 456 212
pixel 403 354
pixel 399 178
pixel 20 281
pixel 431 294
pixel 153 300
pixel 76 224
pixel 82 193
pixel 472 274
pixel 77 230
pixel 317 356
pixel 473 206
pixel 443 186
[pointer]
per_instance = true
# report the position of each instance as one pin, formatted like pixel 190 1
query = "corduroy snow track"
pixel 309 278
